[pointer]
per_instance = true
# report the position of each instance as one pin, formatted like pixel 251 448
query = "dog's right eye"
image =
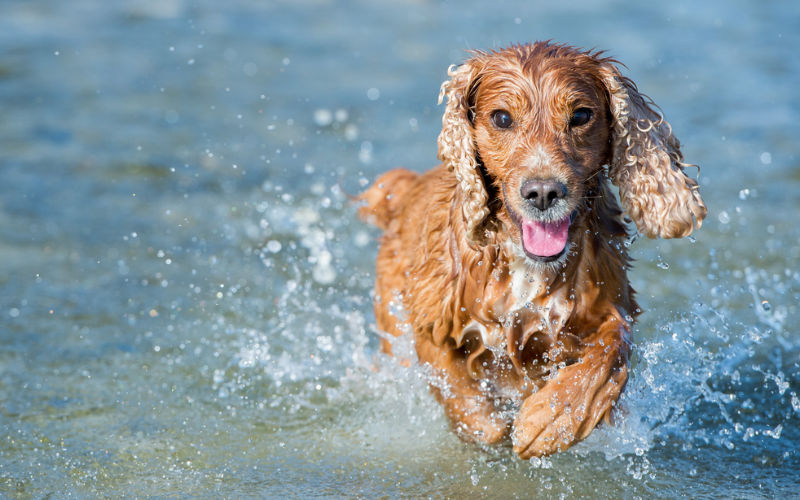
pixel 580 116
pixel 501 119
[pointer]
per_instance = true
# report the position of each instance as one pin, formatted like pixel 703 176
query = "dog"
pixel 509 261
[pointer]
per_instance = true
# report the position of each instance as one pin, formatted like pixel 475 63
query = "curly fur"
pixel 457 148
pixel 520 345
pixel 647 164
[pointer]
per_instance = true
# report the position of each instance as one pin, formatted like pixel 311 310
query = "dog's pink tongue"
pixel 545 239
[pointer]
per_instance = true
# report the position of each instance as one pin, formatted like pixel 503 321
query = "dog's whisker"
pixel 597 172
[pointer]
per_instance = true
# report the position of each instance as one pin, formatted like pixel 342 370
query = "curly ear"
pixel 457 147
pixel 647 164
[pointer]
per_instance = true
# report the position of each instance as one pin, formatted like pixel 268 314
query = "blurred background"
pixel 185 289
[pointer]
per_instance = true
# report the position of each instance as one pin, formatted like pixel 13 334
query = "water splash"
pixel 695 381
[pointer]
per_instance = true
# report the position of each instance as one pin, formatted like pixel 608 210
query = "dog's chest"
pixel 527 307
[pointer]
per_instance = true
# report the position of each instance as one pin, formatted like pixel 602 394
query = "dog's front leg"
pixel 570 405
pixel 470 409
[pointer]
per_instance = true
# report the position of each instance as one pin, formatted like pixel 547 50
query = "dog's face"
pixel 527 130
pixel 541 127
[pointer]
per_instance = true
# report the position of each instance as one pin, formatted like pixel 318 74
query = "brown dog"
pixel 509 261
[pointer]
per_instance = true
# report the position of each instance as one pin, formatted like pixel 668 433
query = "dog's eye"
pixel 501 119
pixel 580 116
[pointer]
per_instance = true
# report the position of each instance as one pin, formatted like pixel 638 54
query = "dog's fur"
pixel 520 344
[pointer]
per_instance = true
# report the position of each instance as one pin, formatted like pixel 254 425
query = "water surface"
pixel 185 290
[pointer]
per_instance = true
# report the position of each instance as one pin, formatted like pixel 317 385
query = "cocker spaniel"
pixel 508 261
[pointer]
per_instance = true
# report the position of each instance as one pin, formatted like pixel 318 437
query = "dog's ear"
pixel 647 163
pixel 457 145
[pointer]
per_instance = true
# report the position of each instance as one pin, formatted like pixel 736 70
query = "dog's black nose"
pixel 543 194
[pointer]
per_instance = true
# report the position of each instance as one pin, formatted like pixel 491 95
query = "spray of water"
pixel 705 378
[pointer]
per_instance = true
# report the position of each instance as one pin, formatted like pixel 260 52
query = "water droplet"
pixel 341 115
pixel 361 239
pixel 325 343
pixel 274 246
pixel 365 153
pixel 351 132
pixel 323 117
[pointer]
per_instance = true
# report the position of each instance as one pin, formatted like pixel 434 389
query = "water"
pixel 185 291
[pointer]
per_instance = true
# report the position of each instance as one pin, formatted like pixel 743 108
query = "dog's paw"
pixel 476 420
pixel 566 409
pixel 485 430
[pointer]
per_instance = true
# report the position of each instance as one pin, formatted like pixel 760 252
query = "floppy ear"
pixel 457 147
pixel 647 164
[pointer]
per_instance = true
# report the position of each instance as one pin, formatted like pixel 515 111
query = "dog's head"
pixel 532 127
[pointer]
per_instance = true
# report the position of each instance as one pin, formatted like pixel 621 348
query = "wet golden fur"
pixel 537 350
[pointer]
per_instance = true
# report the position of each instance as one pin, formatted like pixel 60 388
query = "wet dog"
pixel 509 258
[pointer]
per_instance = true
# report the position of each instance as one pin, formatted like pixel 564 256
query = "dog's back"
pixel 384 197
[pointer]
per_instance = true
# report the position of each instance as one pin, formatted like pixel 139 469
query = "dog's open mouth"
pixel 545 240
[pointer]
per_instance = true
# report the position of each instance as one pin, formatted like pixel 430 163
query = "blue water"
pixel 185 289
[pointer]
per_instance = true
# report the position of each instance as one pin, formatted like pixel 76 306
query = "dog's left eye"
pixel 580 116
pixel 502 119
